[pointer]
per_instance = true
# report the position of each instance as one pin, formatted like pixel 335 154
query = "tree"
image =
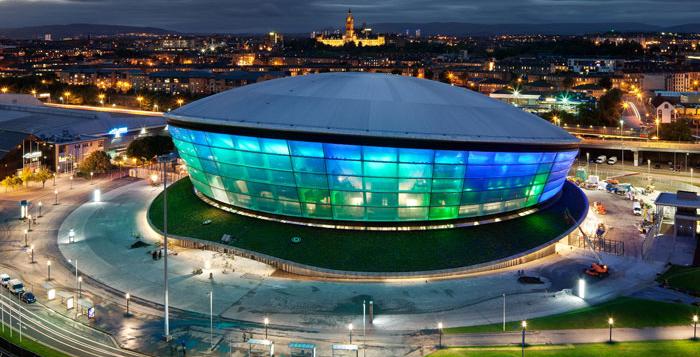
pixel 97 162
pixel 610 107
pixel 568 82
pixel 11 182
pixel 678 130
pixel 605 82
pixel 42 175
pixel 145 148
pixel 26 175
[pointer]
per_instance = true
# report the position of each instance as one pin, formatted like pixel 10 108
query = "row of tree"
pixel 27 175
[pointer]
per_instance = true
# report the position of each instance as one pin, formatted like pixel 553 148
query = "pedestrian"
pixel 154 255
pixel 160 254
pixel 211 276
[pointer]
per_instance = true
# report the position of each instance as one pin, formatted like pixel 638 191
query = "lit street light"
pixel 128 297
pixel 695 327
pixel 266 321
pixel 91 175
pixel 71 181
pixel 26 232
pixel 350 330
pixel 80 287
pixel 524 326
pixel 29 222
pixel 32 249
pixel 54 179
pixel 211 320
pixel 55 194
pixel 48 267
pixel 40 205
pixel 610 327
pixel 439 335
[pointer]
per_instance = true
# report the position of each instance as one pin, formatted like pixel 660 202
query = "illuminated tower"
pixel 349 26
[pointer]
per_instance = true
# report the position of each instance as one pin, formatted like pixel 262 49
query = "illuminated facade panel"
pixel 366 183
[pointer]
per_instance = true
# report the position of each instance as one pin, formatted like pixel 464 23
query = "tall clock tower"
pixel 349 26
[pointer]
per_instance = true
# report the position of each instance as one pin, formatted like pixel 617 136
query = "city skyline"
pixel 305 16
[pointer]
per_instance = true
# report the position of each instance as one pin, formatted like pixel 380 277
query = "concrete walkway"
pixel 245 290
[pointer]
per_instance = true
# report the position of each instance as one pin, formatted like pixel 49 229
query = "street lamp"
pixel 4 90
pixel 622 143
pixel 128 297
pixel 32 249
pixel 54 179
pixel 55 194
pixel 610 327
pixel 211 319
pixel 40 205
pixel 524 326
pixel 48 267
pixel 350 330
pixel 266 321
pixel 695 327
pixel 91 175
pixel 71 181
pixel 29 222
pixel 439 335
pixel 25 237
pixel 657 128
pixel 588 163
pixel 80 287
pixel 582 288
pixel 180 101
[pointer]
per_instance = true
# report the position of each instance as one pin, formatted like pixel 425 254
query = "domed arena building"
pixel 369 148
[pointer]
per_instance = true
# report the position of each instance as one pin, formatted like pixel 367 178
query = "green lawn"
pixel 627 312
pixel 680 348
pixel 362 250
pixel 682 278
pixel 29 344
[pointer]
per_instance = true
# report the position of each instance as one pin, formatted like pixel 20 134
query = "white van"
pixel 612 160
pixel 601 159
pixel 4 279
pixel 636 208
pixel 16 286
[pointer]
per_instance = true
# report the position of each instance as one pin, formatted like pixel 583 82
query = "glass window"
pixel 306 164
pixel 317 210
pixel 344 167
pixel 415 170
pixel 414 199
pixel 279 162
pixel 349 213
pixel 444 212
pixel 450 185
pixel 314 195
pixel 416 156
pixel 449 171
pixel 414 185
pixel 246 143
pixel 220 140
pixel 450 157
pixel 382 169
pixel 350 183
pixel 381 184
pixel 376 153
pixel 303 148
pixel 445 198
pixel 347 198
pixel 382 213
pixel 382 199
pixel 274 146
pixel 340 151
pixel 311 180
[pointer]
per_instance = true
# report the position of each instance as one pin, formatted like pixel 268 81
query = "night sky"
pixel 305 16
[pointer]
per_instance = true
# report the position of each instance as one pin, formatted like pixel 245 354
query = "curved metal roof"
pixel 372 105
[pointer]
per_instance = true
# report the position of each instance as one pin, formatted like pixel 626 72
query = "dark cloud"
pixel 308 15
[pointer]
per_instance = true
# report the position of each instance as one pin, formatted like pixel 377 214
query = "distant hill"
pixel 472 29
pixel 76 30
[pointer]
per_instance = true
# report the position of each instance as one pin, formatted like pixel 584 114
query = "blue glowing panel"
pixel 366 183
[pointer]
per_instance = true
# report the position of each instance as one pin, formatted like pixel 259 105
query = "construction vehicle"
pixel 597 269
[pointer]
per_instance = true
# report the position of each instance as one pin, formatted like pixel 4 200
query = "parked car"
pixel 612 160
pixel 600 159
pixel 16 286
pixel 27 297
pixel 636 208
pixel 4 279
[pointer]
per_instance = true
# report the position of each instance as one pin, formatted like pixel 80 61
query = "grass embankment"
pixel 682 278
pixel 627 312
pixel 29 344
pixel 680 348
pixel 359 250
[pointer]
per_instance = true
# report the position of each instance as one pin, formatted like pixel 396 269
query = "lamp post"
pixel 439 326
pixel 695 327
pixel 40 205
pixel 128 297
pixel 588 163
pixel 164 159
pixel 266 322
pixel 91 175
pixel 211 319
pixel 610 328
pixel 649 168
pixel 80 287
pixel 32 249
pixel 71 181
pixel 657 128
pixel 622 145
pixel 524 326
pixel 54 179
pixel 26 232
pixel 55 194
pixel 504 312
pixel 48 267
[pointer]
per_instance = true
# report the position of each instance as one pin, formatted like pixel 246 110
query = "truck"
pixel 601 159
pixel 636 208
pixel 4 279
pixel 612 160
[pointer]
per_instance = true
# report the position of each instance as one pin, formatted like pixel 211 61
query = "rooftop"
pixel 372 105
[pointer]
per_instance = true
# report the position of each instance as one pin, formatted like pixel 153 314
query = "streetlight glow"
pixel 582 288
